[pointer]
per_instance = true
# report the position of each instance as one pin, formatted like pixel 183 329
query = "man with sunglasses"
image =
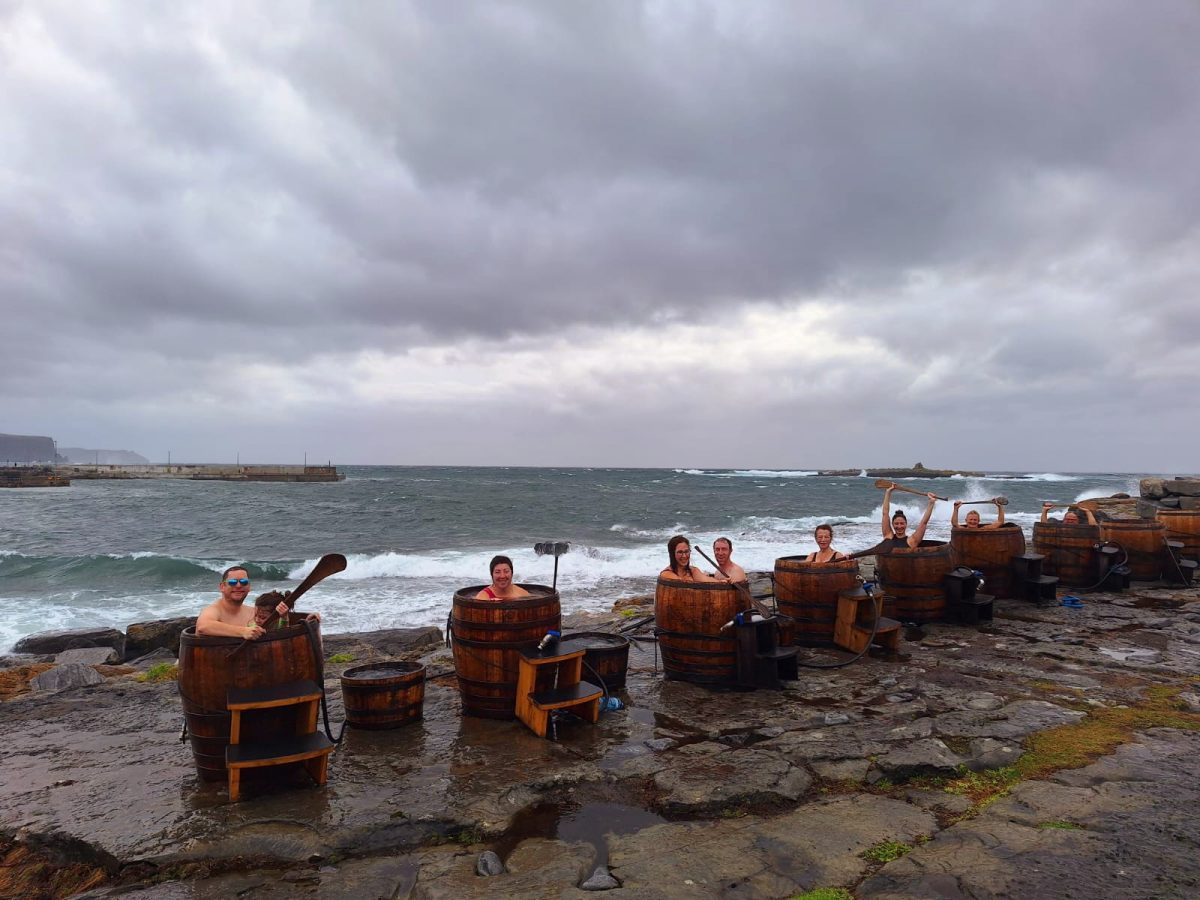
pixel 229 616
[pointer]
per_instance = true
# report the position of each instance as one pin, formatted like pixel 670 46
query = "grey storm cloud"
pixel 303 179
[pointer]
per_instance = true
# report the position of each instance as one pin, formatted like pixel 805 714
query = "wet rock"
pixel 716 781
pixel 601 880
pixel 385 642
pixel 923 757
pixel 1152 488
pixel 1190 700
pixel 658 745
pixel 142 637
pixel 898 698
pixel 836 718
pixel 989 753
pixel 65 678
pixel 955 804
pixel 488 864
pixel 984 700
pixel 920 728
pixel 842 769
pixel 58 641
pixel 153 658
pixel 87 656
pixel 15 660
pixel 1012 721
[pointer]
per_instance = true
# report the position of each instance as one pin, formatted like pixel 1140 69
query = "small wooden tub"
pixel 606 654
pixel 688 618
pixel 1143 540
pixel 1182 525
pixel 488 636
pixel 915 578
pixel 209 667
pixel 990 551
pixel 382 695
pixel 1069 550
pixel 808 593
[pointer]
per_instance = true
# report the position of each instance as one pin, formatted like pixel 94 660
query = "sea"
pixel 112 553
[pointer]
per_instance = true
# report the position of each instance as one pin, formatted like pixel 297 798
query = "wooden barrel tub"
pixel 382 695
pixel 1143 540
pixel 688 618
pixel 1069 550
pixel 488 636
pixel 914 578
pixel 208 668
pixel 1182 525
pixel 606 654
pixel 990 551
pixel 808 593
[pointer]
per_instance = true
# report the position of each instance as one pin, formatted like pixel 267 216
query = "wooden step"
pixel 779 653
pixel 885 626
pixel 289 694
pixel 271 753
pixel 1041 579
pixel 560 698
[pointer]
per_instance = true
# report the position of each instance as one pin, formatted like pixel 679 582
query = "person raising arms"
pixel 895 527
pixel 973 518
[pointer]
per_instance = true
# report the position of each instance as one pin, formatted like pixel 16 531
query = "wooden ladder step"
pixel 271 753
pixel 560 698
pixel 289 694
pixel 885 626
pixel 779 653
pixel 1042 579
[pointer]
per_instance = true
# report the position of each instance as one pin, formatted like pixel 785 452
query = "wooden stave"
pixel 810 596
pixel 477 653
pixel 1069 552
pixel 379 704
pixel 921 597
pixel 991 555
pixel 1144 543
pixel 278 657
pixel 710 658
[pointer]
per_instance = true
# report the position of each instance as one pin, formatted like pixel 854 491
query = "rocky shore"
pixel 1049 754
pixel 915 471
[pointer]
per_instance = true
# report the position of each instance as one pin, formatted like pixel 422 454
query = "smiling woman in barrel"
pixel 680 568
pixel 895 527
pixel 824 552
pixel 502 586
pixel 973 515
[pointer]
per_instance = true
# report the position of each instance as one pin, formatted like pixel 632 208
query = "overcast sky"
pixel 793 235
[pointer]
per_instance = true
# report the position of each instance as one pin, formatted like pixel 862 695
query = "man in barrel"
pixel 723 550
pixel 229 616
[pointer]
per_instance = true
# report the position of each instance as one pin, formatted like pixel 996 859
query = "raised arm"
pixel 999 516
pixel 1046 507
pixel 1091 516
pixel 918 535
pixel 887 514
pixel 954 515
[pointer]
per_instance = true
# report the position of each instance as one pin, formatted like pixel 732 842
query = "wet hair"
pixel 671 545
pixel 498 561
pixel 225 574
pixel 824 526
pixel 726 540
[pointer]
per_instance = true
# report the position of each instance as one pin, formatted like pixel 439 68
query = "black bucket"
pixel 606 656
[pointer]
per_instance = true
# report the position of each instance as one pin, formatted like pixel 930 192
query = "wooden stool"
pixel 761 662
pixel 305 745
pixel 856 613
pixel 568 693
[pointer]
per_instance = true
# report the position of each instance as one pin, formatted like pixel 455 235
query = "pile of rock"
pixel 1180 492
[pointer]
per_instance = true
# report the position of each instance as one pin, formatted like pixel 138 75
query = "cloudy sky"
pixel 744 234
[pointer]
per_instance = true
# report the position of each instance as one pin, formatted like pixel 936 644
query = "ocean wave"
pixel 750 473
pixel 19 571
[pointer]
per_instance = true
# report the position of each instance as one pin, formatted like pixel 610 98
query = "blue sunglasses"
pixel 234 582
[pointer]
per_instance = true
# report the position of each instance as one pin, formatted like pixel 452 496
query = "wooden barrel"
pixel 1069 550
pixel 606 655
pixel 808 593
pixel 1143 540
pixel 488 636
pixel 990 551
pixel 1182 525
pixel 209 667
pixel 382 695
pixel 914 578
pixel 688 617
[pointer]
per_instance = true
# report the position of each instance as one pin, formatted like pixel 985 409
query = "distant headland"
pixel 915 471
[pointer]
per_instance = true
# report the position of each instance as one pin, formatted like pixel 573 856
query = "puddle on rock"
pixel 588 823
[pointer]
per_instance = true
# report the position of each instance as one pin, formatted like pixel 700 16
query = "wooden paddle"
pixel 999 501
pixel 329 564
pixel 883 483
pixel 742 587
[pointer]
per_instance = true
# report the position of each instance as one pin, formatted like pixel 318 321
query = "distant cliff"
pixel 26 448
pixel 83 456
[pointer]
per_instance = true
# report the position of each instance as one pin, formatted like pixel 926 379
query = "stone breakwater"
pixel 1180 492
pixel 1050 754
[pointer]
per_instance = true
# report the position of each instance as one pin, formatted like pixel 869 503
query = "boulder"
pixel 601 880
pixel 1146 509
pixel 142 637
pixel 88 656
pixel 1152 488
pixel 58 641
pixel 1168 503
pixel 1186 487
pixel 489 864
pixel 64 678
pixel 1189 502
pixel 387 642
pixel 153 658
pixel 924 757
